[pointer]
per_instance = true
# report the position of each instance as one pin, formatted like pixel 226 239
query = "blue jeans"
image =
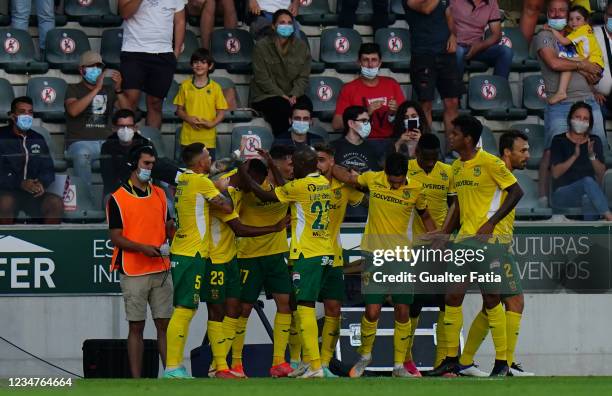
pixel 570 196
pixel 555 121
pixel 20 12
pixel 82 153
pixel 498 56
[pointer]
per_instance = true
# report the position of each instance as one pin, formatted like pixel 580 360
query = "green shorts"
pixel 232 279
pixel 187 275
pixel 511 281
pixel 307 276
pixel 487 261
pixel 215 278
pixel 269 272
pixel 332 284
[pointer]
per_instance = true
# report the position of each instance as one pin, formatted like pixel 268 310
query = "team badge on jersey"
pixel 338 194
pixel 477 171
pixel 443 175
pixel 406 194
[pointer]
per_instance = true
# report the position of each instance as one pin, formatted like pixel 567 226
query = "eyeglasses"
pixel 364 120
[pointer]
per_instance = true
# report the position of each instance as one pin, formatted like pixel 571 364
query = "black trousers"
pixel 276 111
pixel 347 16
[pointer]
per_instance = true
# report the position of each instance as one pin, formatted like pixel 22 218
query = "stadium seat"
pixel 437 108
pixel 48 93
pixel 5 99
pixel 319 131
pixel 528 207
pixel 18 54
pixel 240 114
pixel 264 134
pixel 340 48
pixel 521 62
pixel 316 67
pixel 232 50
pixel 534 96
pixel 316 13
pixel 93 13
pixel 395 47
pixel 154 135
pixel 535 133
pixel 488 141
pixel 324 91
pixel 190 45
pixel 59 165
pixel 397 7
pixel 490 96
pixel 168 107
pixel 110 47
pixel 64 48
pixel 364 12
pixel 86 209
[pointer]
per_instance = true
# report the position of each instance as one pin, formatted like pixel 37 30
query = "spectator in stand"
pixel 348 8
pixel 207 9
pixel 379 95
pixel 298 134
pixel 433 64
pixel 281 67
pixel 603 89
pixel 153 36
pixel 471 18
pixel 354 150
pixel 20 18
pixel 26 169
pixel 578 166
pixel 200 103
pixel 89 108
pixel 410 123
pixel 262 15
pixel 531 10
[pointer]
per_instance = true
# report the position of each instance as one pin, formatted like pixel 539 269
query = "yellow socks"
pixel 331 332
pixel 295 346
pixel 368 335
pixel 441 340
pixel 176 336
pixel 513 324
pixel 401 339
pixel 310 335
pixel 217 345
pixel 282 323
pixel 497 324
pixel 414 323
pixel 238 343
pixel 478 332
pixel 453 320
pixel 229 332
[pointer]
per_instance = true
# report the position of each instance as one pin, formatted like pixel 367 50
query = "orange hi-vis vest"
pixel 144 221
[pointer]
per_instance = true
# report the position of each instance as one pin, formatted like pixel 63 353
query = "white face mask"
pixel 364 130
pixel 125 134
pixel 579 126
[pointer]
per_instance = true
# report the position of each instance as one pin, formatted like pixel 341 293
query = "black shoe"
pixel 500 369
pixel 448 366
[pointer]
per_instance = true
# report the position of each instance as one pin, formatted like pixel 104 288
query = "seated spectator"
pixel 603 89
pixel 298 134
pixel 281 67
pixel 262 12
pixel 200 103
pixel 353 150
pixel 578 166
pixel 26 169
pixel 410 123
pixel 282 156
pixel 347 15
pixel 20 18
pixel 380 95
pixel 207 9
pixel 471 18
pixel 89 108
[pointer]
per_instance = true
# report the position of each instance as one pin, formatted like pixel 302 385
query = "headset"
pixel 135 153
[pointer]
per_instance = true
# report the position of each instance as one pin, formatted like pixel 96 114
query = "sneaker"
pixel 471 370
pixel 412 368
pixel 359 367
pixel 300 370
pixel 280 370
pixel 313 373
pixel 294 364
pixel 402 372
pixel 226 374
pixel 179 372
pixel 238 371
pixel 500 369
pixel 211 372
pixel 328 374
pixel 448 366
pixel 517 371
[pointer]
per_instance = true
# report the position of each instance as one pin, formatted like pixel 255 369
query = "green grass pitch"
pixel 537 386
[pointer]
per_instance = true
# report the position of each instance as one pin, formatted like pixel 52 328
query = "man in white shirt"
pixel 148 56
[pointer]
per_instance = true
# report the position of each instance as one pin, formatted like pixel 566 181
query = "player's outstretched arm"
pixel 243 230
pixel 254 187
pixel 345 176
pixel 515 193
pixel 279 180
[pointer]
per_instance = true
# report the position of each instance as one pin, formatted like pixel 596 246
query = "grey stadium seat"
pixel 395 47
pixel 490 96
pixel 168 107
pixel 316 13
pixel 232 50
pixel 190 45
pixel 64 48
pixel 94 13
pixel 5 99
pixel 528 207
pixel 339 49
pixel 18 55
pixel 535 133
pixel 264 134
pixel 323 92
pixel 534 95
pixel 48 94
pixel 154 135
pixel 240 114
pixel 86 210
pixel 59 164
pixel 110 47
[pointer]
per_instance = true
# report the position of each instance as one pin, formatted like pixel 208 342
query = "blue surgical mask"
pixel 300 127
pixel 24 122
pixel 609 25
pixel 284 30
pixel 92 74
pixel 557 24
pixel 144 175
pixel 365 129
pixel 369 72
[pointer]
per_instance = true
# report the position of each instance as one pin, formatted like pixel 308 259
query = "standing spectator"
pixel 262 15
pixel 26 169
pixel 409 125
pixel 89 108
pixel 531 10
pixel 604 39
pixel 200 103
pixel 148 53
pixel 138 222
pixel 578 166
pixel 348 8
pixel 20 18
pixel 298 134
pixel 353 150
pixel 433 64
pixel 207 10
pixel 471 18
pixel 281 67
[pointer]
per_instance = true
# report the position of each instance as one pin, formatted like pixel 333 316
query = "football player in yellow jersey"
pixel 193 277
pixel 394 199
pixel 311 250
pixel 487 192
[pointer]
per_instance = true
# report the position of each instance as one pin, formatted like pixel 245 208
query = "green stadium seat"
pixel 92 13
pixel 490 96
pixel 154 135
pixel 315 66
pixel 190 45
pixel 168 107
pixel 48 94
pixel 397 7
pixel 529 207
pixel 110 47
pixel 316 13
pixel 5 99
pixel 232 50
pixel 323 92
pixel 59 164
pixel 395 47
pixel 319 131
pixel 64 48
pixel 86 209
pixel 18 54
pixel 264 134
pixel 340 48
pixel 488 141
pixel 535 133
pixel 240 114
pixel 534 96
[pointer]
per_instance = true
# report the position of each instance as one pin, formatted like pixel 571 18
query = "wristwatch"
pixel 592 157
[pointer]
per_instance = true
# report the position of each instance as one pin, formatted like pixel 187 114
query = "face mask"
pixel 92 74
pixel 364 130
pixel 300 127
pixel 406 120
pixel 557 24
pixel 144 175
pixel 609 25
pixel 24 122
pixel 125 134
pixel 284 30
pixel 369 72
pixel 579 126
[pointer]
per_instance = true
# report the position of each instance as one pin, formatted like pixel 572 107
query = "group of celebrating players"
pixel 231 242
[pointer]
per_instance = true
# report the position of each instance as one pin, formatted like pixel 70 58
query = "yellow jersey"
pixel 222 237
pixel 586 44
pixel 256 213
pixel 480 184
pixel 341 196
pixel 310 199
pixel 200 102
pixel 192 209
pixel 391 212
